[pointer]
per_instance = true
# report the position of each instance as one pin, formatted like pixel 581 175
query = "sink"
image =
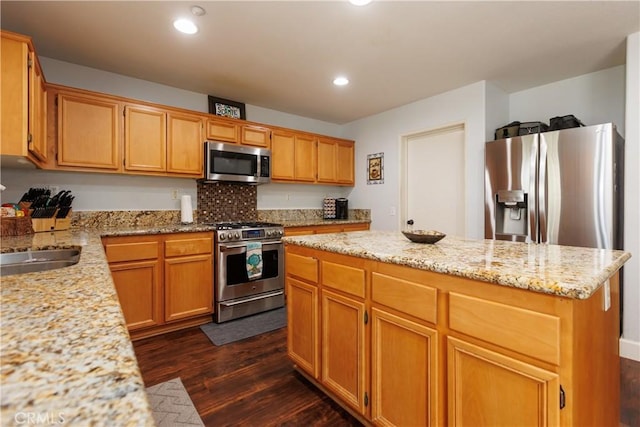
pixel 32 261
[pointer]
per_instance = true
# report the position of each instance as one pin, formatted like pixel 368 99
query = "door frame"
pixel 404 178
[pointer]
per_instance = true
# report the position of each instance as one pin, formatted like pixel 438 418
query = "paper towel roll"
pixel 186 213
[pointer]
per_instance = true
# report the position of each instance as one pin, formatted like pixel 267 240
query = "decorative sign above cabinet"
pixel 227 108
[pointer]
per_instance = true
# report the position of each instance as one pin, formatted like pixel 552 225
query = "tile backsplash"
pixel 223 201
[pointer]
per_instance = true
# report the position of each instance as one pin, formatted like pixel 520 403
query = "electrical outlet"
pixel 55 189
pixel 174 194
pixel 392 211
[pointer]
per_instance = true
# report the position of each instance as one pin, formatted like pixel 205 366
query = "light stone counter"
pixel 66 353
pixel 559 270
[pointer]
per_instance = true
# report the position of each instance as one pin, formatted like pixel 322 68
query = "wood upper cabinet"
pixel 23 104
pixel 257 136
pixel 88 131
pixel 188 276
pixel 404 383
pixel 335 161
pixel 488 388
pixel 185 144
pixel 145 139
pixel 223 130
pixel 293 156
pixel 239 132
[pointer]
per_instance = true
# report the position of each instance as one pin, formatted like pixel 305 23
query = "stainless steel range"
pixel 236 294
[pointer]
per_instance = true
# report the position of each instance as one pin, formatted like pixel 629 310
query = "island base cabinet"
pixel 302 325
pixel 403 372
pixel 491 389
pixel 343 348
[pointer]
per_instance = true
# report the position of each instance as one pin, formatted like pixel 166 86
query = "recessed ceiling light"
pixel 185 26
pixel 359 2
pixel 340 81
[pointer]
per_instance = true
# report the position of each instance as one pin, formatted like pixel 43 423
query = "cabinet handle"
pixel 366 399
pixel 563 398
pixel 366 317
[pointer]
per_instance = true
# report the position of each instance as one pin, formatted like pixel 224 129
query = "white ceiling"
pixel 284 55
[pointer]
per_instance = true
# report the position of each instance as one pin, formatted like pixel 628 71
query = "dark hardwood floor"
pixel 252 382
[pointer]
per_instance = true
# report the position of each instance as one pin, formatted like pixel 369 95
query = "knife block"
pixel 52 224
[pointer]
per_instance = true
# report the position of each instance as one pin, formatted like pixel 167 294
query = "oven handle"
pixel 256 298
pixel 226 247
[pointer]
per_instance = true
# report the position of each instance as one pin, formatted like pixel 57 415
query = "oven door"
pixel 233 281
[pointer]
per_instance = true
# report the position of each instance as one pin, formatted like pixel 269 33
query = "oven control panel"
pixel 250 234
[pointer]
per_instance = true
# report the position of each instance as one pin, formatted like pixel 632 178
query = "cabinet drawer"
pixel 344 278
pixel 188 247
pixel 527 332
pixel 302 266
pixel 131 251
pixel 408 297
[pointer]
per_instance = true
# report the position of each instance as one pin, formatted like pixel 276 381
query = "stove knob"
pixel 237 235
pixel 280 232
pixel 222 236
pixel 269 233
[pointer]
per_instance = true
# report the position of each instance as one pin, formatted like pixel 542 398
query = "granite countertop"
pixel 66 352
pixel 559 270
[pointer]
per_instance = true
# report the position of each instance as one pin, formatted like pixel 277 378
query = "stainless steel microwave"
pixel 236 163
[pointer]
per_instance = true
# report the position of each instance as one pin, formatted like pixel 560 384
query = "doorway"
pixel 433 183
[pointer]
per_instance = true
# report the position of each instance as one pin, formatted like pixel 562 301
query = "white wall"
pixel 593 98
pixel 382 133
pixel 630 342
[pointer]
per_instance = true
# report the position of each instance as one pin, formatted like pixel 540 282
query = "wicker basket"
pixel 15 226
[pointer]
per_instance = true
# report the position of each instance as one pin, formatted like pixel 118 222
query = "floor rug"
pixel 236 330
pixel 172 406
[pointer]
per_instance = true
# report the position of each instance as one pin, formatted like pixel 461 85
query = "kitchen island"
pixel 66 353
pixel 462 332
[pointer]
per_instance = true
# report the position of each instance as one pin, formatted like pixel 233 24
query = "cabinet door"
pixel 37 111
pixel 139 292
pixel 188 286
pixel 403 371
pixel 490 389
pixel 327 152
pixel 145 139
pixel 222 130
pixel 305 158
pixel 256 136
pixel 185 145
pixel 343 343
pixel 88 132
pixel 283 156
pixel 344 172
pixel 302 325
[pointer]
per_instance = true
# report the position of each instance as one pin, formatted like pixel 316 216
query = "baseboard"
pixel 630 349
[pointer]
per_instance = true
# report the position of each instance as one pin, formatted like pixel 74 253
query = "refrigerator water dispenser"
pixel 511 212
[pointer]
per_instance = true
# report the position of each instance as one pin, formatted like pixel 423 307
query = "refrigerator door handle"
pixel 541 195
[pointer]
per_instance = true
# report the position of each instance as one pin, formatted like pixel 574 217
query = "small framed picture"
pixel 375 168
pixel 226 108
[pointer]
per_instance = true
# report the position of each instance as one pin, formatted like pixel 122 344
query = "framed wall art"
pixel 226 108
pixel 375 168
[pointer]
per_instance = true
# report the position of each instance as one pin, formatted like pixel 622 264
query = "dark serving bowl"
pixel 424 236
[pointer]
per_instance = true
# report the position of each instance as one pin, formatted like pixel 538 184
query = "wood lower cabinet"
pixel 164 282
pixel 445 350
pixel 487 388
pixel 303 327
pixel 188 277
pixel 404 385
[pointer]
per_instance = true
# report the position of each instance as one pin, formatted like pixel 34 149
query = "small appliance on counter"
pixel 329 208
pixel 342 208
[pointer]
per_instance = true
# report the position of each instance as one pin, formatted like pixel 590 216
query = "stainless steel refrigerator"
pixel 561 187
